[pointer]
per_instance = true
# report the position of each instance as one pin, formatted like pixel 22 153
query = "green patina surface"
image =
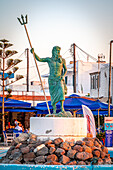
pixel 57 87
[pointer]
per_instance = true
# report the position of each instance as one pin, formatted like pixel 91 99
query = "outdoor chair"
pixel 8 137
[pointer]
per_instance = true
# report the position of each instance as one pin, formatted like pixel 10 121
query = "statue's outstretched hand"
pixel 32 50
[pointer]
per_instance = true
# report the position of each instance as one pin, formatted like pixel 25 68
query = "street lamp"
pixel 109 89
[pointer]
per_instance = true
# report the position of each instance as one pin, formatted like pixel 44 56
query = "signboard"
pixel 108 140
pixel 6 75
pixel 108 123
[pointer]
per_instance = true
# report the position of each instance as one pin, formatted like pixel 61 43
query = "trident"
pixel 24 22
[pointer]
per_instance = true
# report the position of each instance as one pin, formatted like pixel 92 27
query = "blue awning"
pixel 14 103
pixel 75 102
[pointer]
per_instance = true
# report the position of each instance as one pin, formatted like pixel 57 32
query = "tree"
pixel 7 70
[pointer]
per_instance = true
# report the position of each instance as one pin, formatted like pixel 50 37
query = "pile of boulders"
pixel 26 149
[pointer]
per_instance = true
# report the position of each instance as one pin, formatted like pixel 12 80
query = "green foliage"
pixel 9 93
pixel 100 135
pixel 9 62
pixel 18 77
pixel 16 61
pixel 9 73
pixel 15 69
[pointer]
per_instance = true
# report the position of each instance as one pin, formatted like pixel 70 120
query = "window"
pixel 94 81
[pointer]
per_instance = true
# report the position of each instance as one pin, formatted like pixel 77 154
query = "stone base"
pixel 53 127
pixel 61 114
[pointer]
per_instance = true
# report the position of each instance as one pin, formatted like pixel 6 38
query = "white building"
pixel 82 76
pixel 103 82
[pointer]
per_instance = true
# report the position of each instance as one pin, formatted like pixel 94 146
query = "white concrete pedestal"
pixel 53 127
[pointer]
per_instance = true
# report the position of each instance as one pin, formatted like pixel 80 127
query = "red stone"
pixel 52 157
pixel 65 146
pixel 64 159
pixel 78 148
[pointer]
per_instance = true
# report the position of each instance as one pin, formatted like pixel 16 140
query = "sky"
pixel 87 23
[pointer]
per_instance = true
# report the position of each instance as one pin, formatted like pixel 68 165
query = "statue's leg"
pixel 54 108
pixel 62 105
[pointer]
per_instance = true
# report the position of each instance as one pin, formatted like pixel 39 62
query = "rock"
pixel 71 142
pixel 89 143
pixel 72 163
pixel 52 157
pixel 87 163
pixel 64 159
pixel 18 145
pixel 29 156
pixel 104 149
pixel 81 163
pixel 89 139
pixel 58 141
pixel 87 149
pixel 40 159
pixel 53 163
pixel 23 145
pixel 60 152
pixel 107 156
pixel 96 153
pixel 43 151
pixel 25 149
pixel 80 142
pixel 39 147
pixel 32 141
pixel 13 143
pixel 32 136
pixel 5 161
pixel 15 150
pixel 14 162
pixel 96 139
pixel 102 154
pixel 83 156
pixel 96 148
pixel 52 150
pixel 51 145
pixel 78 148
pixel 71 153
pixel 100 161
pixel 28 150
pixel 97 144
pixel 16 156
pixel 30 162
pixel 48 142
pixel 10 150
pixel 65 146
pixel 22 138
pixel 107 161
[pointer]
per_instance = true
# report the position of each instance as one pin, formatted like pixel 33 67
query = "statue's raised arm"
pixel 38 58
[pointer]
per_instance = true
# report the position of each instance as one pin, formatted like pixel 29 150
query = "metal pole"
pixel 27 69
pixel 3 116
pixel 109 89
pixel 98 74
pixel 98 121
pixel 74 68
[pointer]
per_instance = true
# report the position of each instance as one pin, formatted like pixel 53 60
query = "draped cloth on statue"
pixel 56 89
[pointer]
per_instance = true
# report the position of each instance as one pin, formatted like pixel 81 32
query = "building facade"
pixel 82 76
pixel 101 89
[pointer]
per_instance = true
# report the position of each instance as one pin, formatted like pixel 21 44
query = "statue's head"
pixel 56 51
